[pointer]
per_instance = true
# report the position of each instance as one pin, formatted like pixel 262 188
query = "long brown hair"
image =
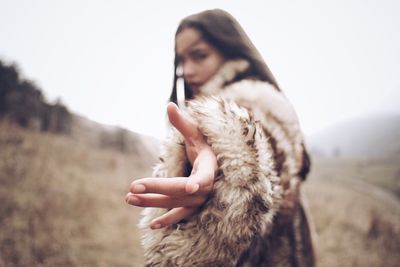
pixel 221 30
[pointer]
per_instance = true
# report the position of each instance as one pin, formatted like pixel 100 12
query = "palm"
pixel 182 194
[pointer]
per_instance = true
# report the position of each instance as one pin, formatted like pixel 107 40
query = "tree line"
pixel 23 103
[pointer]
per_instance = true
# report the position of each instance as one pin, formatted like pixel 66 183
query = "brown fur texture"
pixel 255 135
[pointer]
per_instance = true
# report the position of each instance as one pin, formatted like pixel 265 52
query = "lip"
pixel 194 86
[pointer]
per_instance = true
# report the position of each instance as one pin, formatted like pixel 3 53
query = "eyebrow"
pixel 190 47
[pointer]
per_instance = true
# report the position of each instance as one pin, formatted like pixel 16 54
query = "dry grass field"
pixel 357 222
pixel 62 204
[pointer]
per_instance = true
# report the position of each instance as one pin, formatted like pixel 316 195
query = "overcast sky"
pixel 111 61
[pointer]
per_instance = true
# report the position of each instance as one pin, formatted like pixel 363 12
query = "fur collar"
pixel 249 93
pixel 228 71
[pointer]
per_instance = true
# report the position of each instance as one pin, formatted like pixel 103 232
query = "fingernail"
pixel 193 188
pixel 133 200
pixel 138 188
pixel 156 226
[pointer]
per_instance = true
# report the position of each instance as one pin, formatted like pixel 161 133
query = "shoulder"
pixel 253 90
pixel 261 95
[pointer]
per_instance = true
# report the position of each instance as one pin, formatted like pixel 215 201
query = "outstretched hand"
pixel 182 195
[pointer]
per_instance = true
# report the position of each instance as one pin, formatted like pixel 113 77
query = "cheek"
pixel 208 72
pixel 211 67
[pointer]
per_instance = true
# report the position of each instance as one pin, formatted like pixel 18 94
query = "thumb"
pixel 193 185
pixel 187 128
pixel 200 179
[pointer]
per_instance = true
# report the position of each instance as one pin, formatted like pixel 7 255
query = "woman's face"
pixel 199 60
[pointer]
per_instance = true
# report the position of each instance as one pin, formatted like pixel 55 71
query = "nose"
pixel 189 70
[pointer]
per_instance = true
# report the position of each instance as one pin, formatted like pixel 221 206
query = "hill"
pixel 23 103
pixel 115 138
pixel 63 180
pixel 372 136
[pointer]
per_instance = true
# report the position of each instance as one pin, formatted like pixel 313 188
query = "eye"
pixel 199 55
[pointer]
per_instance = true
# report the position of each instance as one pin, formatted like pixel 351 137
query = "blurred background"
pixel 83 90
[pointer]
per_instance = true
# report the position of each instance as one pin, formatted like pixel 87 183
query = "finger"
pixel 162 201
pixel 205 170
pixel 171 217
pixel 165 186
pixel 186 127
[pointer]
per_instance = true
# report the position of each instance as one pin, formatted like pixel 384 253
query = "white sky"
pixel 111 61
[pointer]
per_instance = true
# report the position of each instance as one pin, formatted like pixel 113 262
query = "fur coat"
pixel 247 221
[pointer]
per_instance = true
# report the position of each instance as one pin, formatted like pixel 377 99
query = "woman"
pixel 234 165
